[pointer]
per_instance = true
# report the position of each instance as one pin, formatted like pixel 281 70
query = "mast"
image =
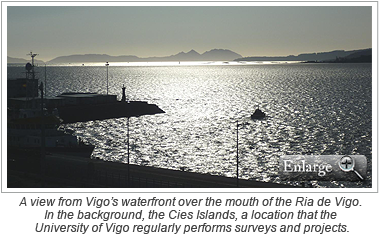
pixel 30 74
pixel 33 55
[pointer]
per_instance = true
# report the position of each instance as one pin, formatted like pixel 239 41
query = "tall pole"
pixel 128 151
pixel 41 87
pixel 45 80
pixel 107 76
pixel 237 153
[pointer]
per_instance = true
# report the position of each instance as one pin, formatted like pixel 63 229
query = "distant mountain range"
pixel 212 55
pixel 322 56
pixel 359 56
pixel 21 60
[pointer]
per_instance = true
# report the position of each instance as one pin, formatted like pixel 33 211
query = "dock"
pixel 102 111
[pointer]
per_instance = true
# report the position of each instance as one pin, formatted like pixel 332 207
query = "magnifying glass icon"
pixel 347 164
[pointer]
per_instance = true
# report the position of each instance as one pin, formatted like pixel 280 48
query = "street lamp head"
pixel 107 64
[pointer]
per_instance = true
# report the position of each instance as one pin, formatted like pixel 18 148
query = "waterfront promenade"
pixel 66 171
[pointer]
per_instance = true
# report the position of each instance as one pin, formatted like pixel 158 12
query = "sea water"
pixel 319 109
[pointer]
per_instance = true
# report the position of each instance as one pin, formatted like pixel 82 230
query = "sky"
pixel 163 31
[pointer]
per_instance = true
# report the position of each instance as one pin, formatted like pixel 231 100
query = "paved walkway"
pixel 73 171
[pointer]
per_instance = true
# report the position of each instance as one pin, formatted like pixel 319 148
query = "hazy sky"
pixel 162 31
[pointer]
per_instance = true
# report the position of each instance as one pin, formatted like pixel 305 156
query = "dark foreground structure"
pixel 70 171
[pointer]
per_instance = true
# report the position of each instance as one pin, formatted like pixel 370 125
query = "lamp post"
pixel 41 88
pixel 237 153
pixel 128 151
pixel 45 81
pixel 107 64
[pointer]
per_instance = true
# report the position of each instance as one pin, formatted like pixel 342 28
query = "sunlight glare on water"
pixel 312 109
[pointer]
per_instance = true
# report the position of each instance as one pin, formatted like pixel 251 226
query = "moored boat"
pixel 31 126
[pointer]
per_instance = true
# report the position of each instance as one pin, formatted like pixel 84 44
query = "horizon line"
pixel 126 55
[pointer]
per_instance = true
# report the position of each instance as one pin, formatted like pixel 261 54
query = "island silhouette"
pixel 361 55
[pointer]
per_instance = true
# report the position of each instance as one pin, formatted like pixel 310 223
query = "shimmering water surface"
pixel 311 108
